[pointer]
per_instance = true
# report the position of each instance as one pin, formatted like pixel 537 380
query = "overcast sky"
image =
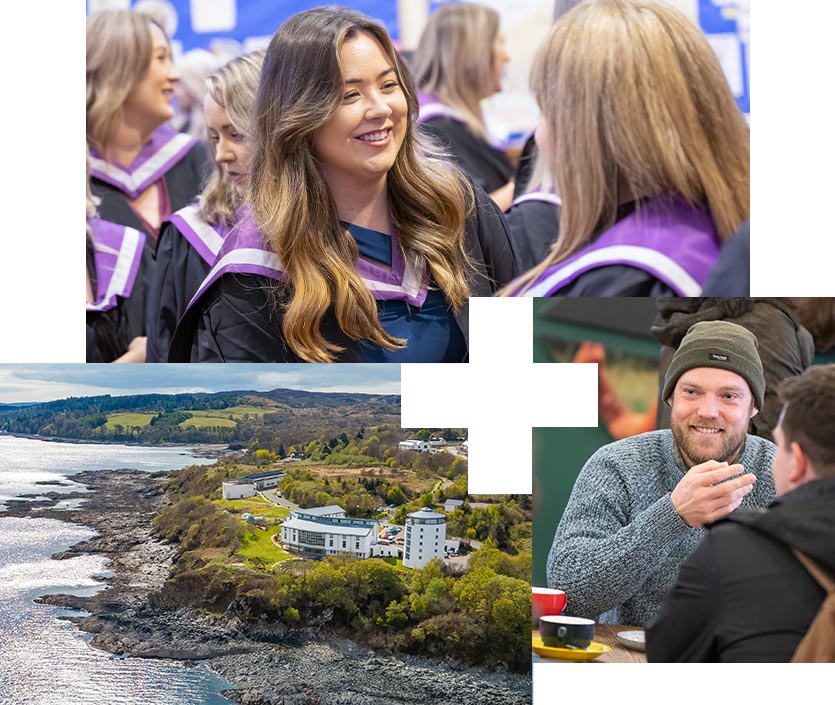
pixel 24 383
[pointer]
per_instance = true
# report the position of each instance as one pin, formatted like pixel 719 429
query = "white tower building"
pixel 425 536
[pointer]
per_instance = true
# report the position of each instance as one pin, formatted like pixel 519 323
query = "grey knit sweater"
pixel 620 543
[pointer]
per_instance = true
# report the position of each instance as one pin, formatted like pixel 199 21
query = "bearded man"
pixel 639 505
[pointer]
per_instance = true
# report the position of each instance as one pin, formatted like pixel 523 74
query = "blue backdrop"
pixel 258 18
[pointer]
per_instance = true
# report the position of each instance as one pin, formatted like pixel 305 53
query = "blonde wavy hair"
pixel 634 101
pixel 300 90
pixel 119 50
pixel 233 87
pixel 454 59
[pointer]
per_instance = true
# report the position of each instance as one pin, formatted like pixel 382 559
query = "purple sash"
pixel 244 251
pixel 537 195
pixel 430 106
pixel 165 148
pixel 117 254
pixel 670 239
pixel 203 236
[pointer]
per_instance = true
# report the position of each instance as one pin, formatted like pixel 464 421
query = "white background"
pixel 42 263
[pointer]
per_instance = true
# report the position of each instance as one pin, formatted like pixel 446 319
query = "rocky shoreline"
pixel 269 664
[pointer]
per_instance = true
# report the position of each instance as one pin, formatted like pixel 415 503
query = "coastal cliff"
pixel 269 663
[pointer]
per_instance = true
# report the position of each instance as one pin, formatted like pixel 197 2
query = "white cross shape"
pixel 499 396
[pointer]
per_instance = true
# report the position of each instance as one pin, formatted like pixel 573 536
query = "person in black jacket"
pixel 458 63
pixel 190 239
pixel 360 242
pixel 653 175
pixel 743 596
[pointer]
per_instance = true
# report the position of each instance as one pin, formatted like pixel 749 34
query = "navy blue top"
pixel 432 332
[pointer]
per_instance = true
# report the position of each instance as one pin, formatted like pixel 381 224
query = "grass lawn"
pixel 234 412
pixel 395 562
pixel 127 420
pixel 208 422
pixel 258 544
pixel 254 505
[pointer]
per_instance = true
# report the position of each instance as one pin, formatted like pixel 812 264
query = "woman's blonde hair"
pixel 301 88
pixel 233 87
pixel 454 59
pixel 634 101
pixel 119 50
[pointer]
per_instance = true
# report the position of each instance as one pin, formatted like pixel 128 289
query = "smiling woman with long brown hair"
pixel 648 149
pixel 360 244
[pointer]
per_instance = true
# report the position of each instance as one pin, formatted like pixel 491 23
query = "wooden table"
pixel 605 634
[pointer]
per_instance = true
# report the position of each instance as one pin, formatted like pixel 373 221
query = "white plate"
pixel 633 640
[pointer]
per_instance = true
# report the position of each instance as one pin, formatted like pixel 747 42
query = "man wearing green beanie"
pixel 639 505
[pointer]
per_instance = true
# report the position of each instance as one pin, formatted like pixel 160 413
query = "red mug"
pixel 546 601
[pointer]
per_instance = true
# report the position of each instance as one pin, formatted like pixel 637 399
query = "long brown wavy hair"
pixel 300 90
pixel 633 97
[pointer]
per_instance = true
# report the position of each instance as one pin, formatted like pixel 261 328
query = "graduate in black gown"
pixel 142 170
pixel 653 175
pixel 359 244
pixel 191 238
pixel 459 62
pixel 114 253
pixel 534 216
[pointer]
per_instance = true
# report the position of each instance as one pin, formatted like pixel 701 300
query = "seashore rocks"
pixel 268 663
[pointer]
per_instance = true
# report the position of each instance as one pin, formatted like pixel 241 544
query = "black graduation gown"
pixel 534 226
pixel 240 315
pixel 108 333
pixel 489 167
pixel 183 182
pixel 178 273
pixel 524 168
pixel 732 274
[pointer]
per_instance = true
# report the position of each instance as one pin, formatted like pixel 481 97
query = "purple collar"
pixel 206 238
pixel 117 254
pixel 668 238
pixel 244 251
pixel 159 154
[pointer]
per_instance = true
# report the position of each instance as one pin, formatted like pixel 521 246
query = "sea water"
pixel 45 660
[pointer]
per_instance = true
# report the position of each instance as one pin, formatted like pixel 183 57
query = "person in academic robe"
pixel 142 170
pixel 113 256
pixel 534 216
pixel 190 239
pixel 648 150
pixel 458 63
pixel 358 243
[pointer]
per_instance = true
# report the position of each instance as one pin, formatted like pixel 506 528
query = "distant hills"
pixel 223 417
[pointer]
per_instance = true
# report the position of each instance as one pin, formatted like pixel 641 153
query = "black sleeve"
pixel 136 304
pixel 240 321
pixel 732 274
pixel 616 280
pixel 534 226
pixel 683 630
pixel 524 169
pixel 489 245
pixel 178 273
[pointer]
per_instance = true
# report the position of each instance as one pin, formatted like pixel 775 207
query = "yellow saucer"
pixel 595 649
